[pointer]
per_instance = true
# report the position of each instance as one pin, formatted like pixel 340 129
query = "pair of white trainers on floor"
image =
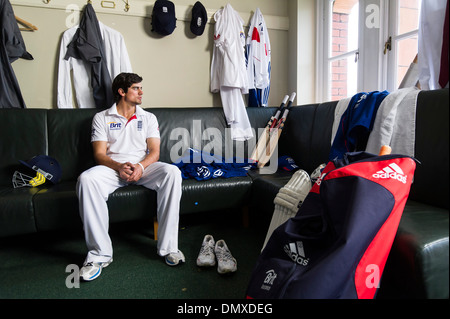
pixel 210 251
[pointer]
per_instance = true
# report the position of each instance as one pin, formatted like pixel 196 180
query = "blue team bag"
pixel 338 243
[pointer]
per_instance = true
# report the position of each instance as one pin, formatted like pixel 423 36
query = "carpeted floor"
pixel 34 266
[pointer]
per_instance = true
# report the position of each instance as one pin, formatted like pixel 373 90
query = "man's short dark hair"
pixel 124 81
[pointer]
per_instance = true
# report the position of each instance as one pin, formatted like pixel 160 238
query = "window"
pixel 403 34
pixel 344 48
pixel 364 45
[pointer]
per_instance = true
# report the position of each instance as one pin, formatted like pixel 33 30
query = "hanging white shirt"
pixel 228 62
pixel 258 52
pixel 117 60
pixel 228 71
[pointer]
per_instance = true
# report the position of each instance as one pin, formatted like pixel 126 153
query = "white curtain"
pixel 431 41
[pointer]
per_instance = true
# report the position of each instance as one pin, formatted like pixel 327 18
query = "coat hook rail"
pixel 108 4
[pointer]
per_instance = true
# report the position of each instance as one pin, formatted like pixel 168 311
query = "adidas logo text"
pixel 392 171
pixel 297 253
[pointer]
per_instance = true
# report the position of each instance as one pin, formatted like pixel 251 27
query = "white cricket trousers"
pixel 93 189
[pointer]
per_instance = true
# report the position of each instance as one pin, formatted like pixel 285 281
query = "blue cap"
pixel 163 17
pixel 199 19
pixel 287 163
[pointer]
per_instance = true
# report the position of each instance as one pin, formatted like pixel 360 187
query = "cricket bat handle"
pixel 385 150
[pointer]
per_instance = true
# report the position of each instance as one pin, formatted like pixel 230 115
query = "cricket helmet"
pixel 46 168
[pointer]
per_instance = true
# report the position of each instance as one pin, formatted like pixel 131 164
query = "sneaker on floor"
pixel 91 270
pixel 206 256
pixel 174 259
pixel 226 262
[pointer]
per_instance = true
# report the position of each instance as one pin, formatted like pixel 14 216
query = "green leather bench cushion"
pixel 265 188
pixel 23 135
pixel 307 134
pixel 431 179
pixel 214 195
pixel 181 128
pixel 69 140
pixel 57 206
pixel 417 266
pixel 16 211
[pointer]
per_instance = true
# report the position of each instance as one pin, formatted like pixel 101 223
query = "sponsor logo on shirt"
pixel 114 126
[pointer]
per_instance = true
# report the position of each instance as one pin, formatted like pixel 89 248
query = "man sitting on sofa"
pixel 126 145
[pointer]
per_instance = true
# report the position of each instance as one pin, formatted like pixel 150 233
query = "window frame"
pixel 389 81
pixel 372 39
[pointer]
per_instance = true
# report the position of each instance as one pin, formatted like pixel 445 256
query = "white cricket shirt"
pixel 127 139
pixel 228 61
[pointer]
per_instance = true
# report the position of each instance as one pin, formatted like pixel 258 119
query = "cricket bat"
pixel 274 134
pixel 411 77
pixel 264 137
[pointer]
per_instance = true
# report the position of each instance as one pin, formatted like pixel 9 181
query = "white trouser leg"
pixel 166 180
pixel 93 189
pixel 235 113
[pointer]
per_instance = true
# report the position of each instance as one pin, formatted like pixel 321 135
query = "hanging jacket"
pixel 12 47
pixel 117 61
pixel 87 45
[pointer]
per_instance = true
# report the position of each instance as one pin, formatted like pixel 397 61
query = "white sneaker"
pixel 91 270
pixel 206 256
pixel 174 259
pixel 226 262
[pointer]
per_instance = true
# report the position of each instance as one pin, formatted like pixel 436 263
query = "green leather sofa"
pixel 417 266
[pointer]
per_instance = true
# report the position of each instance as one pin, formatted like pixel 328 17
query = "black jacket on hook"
pixel 87 45
pixel 12 47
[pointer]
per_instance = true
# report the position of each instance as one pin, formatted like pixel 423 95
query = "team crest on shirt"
pixel 114 126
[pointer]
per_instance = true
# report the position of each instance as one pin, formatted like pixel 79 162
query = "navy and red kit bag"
pixel 338 243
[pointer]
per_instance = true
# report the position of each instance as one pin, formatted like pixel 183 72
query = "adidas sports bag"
pixel 338 243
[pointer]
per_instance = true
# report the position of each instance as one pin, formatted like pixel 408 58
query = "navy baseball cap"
pixel 199 19
pixel 287 163
pixel 163 17
pixel 46 165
